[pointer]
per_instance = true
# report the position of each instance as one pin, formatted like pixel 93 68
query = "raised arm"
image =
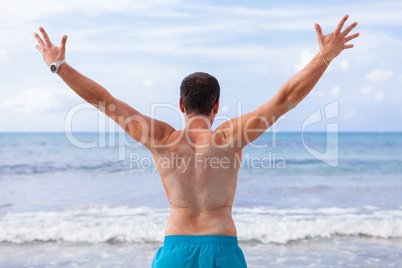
pixel 142 128
pixel 244 129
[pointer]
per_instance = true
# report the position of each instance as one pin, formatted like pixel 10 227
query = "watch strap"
pixel 57 65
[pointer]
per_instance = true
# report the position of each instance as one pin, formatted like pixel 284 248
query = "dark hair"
pixel 199 92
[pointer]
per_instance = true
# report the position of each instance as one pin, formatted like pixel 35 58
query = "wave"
pixel 145 224
pixel 281 226
pixel 51 167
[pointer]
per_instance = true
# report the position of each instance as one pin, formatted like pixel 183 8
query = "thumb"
pixel 318 30
pixel 63 42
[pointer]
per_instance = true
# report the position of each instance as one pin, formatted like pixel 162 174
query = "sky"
pixel 141 50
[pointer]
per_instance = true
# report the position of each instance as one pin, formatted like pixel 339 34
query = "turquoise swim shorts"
pixel 204 251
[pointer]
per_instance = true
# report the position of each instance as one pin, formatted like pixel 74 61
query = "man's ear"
pixel 182 109
pixel 216 107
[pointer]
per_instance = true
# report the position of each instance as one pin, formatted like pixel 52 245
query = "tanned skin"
pixel 201 183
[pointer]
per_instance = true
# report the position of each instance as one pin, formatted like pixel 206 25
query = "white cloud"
pixel 335 91
pixel 379 75
pixel 263 41
pixel 305 57
pixel 344 64
pixel 32 10
pixel 3 55
pixel 225 18
pixel 319 93
pixel 224 109
pixel 349 114
pixel 38 100
pixel 185 45
pixel 379 96
pixel 366 90
pixel 148 83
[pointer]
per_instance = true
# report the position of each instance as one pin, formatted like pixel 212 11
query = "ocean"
pixel 301 201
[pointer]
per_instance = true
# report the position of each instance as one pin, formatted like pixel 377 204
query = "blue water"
pixel 291 209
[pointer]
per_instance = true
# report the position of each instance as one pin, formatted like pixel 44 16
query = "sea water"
pixel 62 205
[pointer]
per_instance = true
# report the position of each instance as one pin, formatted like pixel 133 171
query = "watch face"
pixel 53 68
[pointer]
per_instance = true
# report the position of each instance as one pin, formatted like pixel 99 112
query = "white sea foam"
pixel 282 226
pixel 94 225
pixel 144 224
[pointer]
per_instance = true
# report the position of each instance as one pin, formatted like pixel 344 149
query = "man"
pixel 201 176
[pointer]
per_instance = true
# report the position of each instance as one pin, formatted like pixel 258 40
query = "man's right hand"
pixel 331 45
pixel 50 52
pixel 150 132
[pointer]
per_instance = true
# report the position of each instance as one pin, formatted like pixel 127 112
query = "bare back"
pixel 199 176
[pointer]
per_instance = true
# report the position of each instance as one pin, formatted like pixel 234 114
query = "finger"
pixel 348 46
pixel 40 41
pixel 341 23
pixel 63 42
pixel 350 37
pixel 45 36
pixel 349 29
pixel 318 30
pixel 39 48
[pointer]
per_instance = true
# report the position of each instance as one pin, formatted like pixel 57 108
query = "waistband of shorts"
pixel 223 240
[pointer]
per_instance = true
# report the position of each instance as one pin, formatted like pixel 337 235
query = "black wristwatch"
pixel 55 66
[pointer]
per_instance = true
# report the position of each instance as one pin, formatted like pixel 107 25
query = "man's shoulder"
pixel 212 141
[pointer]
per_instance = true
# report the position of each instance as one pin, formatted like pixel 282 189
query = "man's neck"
pixel 198 122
